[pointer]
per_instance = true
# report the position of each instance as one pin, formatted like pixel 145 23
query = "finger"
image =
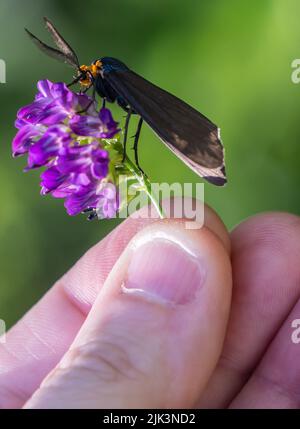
pixel 38 341
pixel 276 382
pixel 265 261
pixel 156 329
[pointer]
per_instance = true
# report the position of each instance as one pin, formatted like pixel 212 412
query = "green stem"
pixel 145 183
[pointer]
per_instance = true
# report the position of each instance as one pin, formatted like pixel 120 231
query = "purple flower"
pixel 108 203
pixel 26 136
pixel 88 159
pixel 54 141
pixel 101 126
pixel 85 197
pixel 53 103
pixel 52 179
pixel 62 185
pixel 44 87
pixel 99 196
pixel 50 130
pixel 75 170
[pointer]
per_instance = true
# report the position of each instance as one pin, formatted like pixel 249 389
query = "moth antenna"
pixel 52 52
pixel 61 43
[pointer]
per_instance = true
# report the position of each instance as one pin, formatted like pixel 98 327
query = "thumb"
pixel 155 332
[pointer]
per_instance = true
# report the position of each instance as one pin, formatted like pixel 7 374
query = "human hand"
pixel 142 325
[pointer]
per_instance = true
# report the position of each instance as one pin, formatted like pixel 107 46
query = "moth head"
pixel 89 73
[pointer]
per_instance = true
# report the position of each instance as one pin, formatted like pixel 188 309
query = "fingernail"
pixel 165 268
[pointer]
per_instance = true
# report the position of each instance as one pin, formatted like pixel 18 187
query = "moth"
pixel 186 132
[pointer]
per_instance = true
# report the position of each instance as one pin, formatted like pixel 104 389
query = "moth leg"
pixel 135 144
pixel 86 89
pixel 122 103
pixel 76 80
pixel 126 133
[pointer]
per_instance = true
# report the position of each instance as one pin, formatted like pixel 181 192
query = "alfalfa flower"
pixel 74 159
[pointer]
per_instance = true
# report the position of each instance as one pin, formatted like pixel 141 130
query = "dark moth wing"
pixel 189 134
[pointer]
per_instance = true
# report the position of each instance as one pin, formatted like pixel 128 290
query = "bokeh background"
pixel 231 59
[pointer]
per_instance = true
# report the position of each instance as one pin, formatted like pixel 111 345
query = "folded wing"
pixel 184 130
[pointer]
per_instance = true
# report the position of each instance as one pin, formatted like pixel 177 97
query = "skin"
pixel 87 345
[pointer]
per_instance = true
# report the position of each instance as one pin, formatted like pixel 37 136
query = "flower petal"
pixel 44 87
pixel 48 146
pixel 51 179
pixel 24 138
pixel 79 201
pixel 86 125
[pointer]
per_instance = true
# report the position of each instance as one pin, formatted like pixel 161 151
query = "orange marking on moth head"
pixel 88 72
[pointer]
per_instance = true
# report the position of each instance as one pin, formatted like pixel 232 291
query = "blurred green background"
pixel 231 59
